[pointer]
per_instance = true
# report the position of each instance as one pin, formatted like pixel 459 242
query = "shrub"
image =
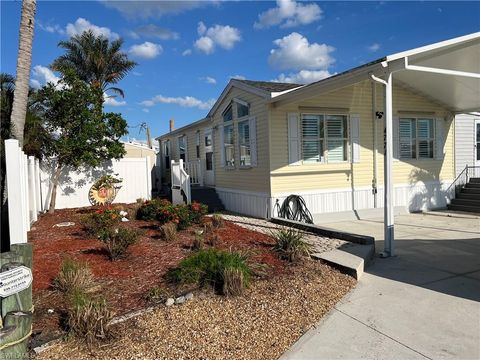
pixel 164 212
pixel 197 212
pixel 150 208
pixel 218 221
pixel 233 281
pixel 157 294
pixel 290 244
pixel 101 220
pixel 207 267
pixel 208 228
pixel 198 241
pixel 89 317
pixel 117 241
pixel 169 231
pixel 214 240
pixel 73 275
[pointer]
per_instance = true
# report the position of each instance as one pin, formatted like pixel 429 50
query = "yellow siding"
pixel 138 152
pixel 255 179
pixel 358 99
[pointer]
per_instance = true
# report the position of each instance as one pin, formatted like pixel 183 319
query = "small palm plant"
pixel 290 244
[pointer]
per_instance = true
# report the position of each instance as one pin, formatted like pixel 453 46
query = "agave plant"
pixel 290 244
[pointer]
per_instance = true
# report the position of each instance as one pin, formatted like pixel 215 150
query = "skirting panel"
pixel 252 204
pixel 417 197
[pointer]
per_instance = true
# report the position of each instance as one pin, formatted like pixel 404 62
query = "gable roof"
pixel 270 86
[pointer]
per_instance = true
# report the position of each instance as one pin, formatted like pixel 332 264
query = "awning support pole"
pixel 389 249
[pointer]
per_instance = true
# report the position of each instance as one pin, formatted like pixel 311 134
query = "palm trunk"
pixel 24 61
pixel 53 196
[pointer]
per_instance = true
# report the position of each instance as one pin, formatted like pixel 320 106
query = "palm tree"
pixel 95 60
pixel 24 61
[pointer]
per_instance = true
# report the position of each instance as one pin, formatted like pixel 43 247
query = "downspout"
pixel 375 147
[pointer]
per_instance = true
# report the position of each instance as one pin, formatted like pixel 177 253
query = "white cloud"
pixel 145 110
pixel 237 77
pixel 374 47
pixel 82 25
pixel 289 13
pixel 55 28
pixel 136 73
pixel 154 31
pixel 42 75
pixel 209 80
pixel 217 35
pixel 303 76
pixel 147 50
pixel 187 52
pixel 154 9
pixel 295 52
pixel 186 101
pixel 111 101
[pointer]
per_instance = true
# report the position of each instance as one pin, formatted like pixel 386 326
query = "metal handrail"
pixel 460 176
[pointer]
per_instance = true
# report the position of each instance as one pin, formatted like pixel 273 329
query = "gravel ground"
pixel 320 244
pixel 261 324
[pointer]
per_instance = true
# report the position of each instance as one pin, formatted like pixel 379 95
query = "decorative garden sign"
pixel 15 280
pixel 104 191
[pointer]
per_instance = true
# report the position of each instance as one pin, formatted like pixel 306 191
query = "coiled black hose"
pixel 294 208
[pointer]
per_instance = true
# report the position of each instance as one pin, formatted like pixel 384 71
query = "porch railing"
pixel 462 179
pixel 181 187
pixel 194 169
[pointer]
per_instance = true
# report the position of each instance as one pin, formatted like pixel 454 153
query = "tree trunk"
pixel 53 196
pixel 24 61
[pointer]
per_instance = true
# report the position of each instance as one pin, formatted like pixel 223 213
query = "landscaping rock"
pixel 170 302
pixel 180 300
pixel 124 219
pixel 189 296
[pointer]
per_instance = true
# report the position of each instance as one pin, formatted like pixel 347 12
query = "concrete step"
pixel 351 260
pixel 472 209
pixel 467 202
pixel 471 196
pixel 470 190
pixel 474 180
pixel 472 185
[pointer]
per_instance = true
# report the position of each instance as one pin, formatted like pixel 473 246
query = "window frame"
pixel 325 138
pixel 417 138
pixel 167 156
pixel 231 124
pixel 197 143
pixel 245 119
pixel 185 140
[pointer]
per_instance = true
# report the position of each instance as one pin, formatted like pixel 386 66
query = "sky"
pixel 188 51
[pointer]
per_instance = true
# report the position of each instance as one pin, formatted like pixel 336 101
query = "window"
pixel 208 139
pixel 324 138
pixel 228 113
pixel 416 138
pixel 182 147
pixel 229 147
pixel 166 152
pixel 244 143
pixel 209 161
pixel 197 144
pixel 242 110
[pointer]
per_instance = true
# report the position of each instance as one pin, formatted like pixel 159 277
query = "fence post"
pixel 31 189
pixel 38 184
pixel 15 191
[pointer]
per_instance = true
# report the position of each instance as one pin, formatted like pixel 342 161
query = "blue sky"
pixel 187 51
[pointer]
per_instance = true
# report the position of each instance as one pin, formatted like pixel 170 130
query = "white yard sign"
pixel 15 280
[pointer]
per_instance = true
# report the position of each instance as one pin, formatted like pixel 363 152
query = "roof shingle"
pixel 270 86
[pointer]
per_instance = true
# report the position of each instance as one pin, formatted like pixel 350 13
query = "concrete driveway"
pixel 423 303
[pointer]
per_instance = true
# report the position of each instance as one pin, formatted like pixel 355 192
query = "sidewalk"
pixel 424 303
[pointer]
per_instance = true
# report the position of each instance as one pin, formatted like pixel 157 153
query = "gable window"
pixel 228 113
pixel 242 110
pixel 166 153
pixel 182 147
pixel 197 144
pixel 229 148
pixel 244 143
pixel 324 138
pixel 416 138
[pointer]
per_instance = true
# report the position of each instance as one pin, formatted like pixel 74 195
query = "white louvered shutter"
pixel 294 154
pixel 439 138
pixel 355 137
pixel 221 148
pixel 253 141
pixel 396 137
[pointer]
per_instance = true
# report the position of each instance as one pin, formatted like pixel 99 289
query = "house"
pixel 467 143
pixel 263 141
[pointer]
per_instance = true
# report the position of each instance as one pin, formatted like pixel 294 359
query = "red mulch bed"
pixel 124 282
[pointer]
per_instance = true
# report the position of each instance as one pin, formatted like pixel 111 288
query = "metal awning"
pixel 448 72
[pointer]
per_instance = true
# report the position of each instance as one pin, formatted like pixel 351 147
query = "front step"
pixel 467 202
pixel 470 190
pixel 468 196
pixel 472 185
pixel 463 208
pixel 475 180
pixel 209 197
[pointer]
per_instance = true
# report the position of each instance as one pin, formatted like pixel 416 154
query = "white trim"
pixel 241 102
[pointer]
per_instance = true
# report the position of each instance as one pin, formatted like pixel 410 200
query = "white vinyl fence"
pixel 23 189
pixel 29 186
